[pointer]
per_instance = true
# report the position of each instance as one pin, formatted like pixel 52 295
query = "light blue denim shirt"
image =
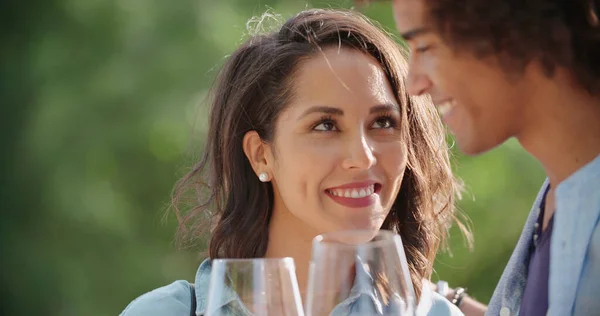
pixel 574 281
pixel 175 299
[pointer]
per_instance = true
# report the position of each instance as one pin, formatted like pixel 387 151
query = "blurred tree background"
pixel 102 112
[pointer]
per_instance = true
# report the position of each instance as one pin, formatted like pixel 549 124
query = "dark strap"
pixel 193 292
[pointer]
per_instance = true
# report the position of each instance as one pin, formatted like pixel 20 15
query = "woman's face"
pixel 338 158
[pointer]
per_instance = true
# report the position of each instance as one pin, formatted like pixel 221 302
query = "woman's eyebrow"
pixel 384 108
pixel 322 109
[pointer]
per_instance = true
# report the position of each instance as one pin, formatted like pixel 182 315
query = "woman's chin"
pixel 367 225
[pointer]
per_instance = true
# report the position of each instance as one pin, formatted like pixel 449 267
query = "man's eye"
pixel 422 49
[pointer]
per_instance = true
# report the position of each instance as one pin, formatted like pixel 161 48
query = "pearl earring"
pixel 263 177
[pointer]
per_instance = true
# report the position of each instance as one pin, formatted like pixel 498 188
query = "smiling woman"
pixel 311 131
pixel 358 142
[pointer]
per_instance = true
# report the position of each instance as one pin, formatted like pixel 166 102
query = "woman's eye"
pixel 383 122
pixel 325 126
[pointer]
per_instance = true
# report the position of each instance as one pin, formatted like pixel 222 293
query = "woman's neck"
pixel 289 237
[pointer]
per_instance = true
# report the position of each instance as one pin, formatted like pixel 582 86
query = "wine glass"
pixel 254 287
pixel 359 272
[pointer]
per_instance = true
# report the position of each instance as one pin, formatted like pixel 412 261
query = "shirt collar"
pixel 229 299
pixel 202 283
pixel 361 287
pixel 364 297
pixel 577 211
pixel 586 179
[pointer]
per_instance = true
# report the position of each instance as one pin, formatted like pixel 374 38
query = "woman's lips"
pixel 355 195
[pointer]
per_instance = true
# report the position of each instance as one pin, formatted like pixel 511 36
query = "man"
pixel 528 69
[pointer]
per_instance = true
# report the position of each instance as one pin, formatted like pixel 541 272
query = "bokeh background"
pixel 102 112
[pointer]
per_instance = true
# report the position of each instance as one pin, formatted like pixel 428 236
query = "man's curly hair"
pixel 563 33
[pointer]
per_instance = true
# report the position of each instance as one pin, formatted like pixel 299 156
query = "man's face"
pixel 477 99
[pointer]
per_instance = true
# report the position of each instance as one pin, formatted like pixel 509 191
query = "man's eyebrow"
pixel 409 35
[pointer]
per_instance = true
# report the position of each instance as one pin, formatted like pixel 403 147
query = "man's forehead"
pixel 409 15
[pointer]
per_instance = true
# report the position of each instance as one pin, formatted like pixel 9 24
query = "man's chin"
pixel 476 147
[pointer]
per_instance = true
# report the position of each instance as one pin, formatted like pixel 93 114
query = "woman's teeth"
pixel 355 193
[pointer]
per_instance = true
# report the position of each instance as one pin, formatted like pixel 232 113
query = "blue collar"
pixel 201 283
pixel 362 292
pixel 229 299
pixel 577 201
pixel 366 295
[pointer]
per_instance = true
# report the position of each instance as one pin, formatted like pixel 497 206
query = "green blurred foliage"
pixel 102 112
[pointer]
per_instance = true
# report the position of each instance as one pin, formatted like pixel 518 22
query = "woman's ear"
pixel 256 152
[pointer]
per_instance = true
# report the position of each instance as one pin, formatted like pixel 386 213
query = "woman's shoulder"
pixel 177 298
pixel 173 299
pixel 442 306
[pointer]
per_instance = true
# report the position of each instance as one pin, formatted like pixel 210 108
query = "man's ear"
pixel 256 152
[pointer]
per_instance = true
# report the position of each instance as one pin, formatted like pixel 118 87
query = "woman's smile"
pixel 356 194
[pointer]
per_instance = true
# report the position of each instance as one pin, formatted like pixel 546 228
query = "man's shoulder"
pixel 509 289
pixel 173 299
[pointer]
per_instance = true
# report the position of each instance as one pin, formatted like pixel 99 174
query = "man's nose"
pixel 417 82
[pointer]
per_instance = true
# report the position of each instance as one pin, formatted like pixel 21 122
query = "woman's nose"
pixel 360 154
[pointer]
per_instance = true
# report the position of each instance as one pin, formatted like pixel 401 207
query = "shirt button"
pixel 505 311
